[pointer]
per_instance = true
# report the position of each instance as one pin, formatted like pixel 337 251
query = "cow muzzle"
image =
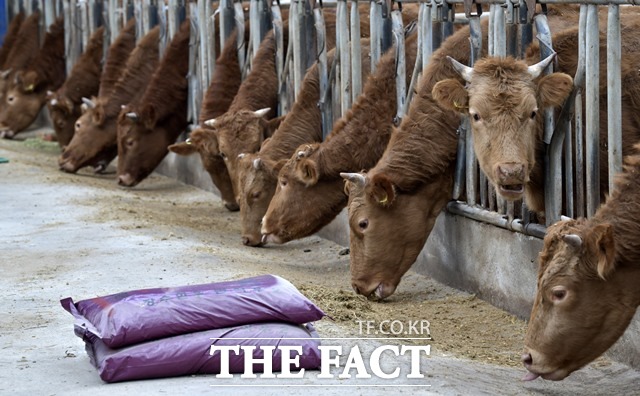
pixel 6 132
pixel 251 240
pixel 126 180
pixel 534 363
pixel 510 179
pixel 375 290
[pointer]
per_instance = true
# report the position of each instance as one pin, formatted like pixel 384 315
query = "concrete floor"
pixel 63 235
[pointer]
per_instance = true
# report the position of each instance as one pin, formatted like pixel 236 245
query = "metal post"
pixel 49 13
pixel 162 21
pixel 323 74
pixel 210 30
pixel 227 20
pixel 356 61
pixel 138 14
pixel 203 50
pixel 592 110
pixel 426 25
pixel 244 53
pixel 345 62
pixel 280 61
pixel 85 28
pixel 173 19
pixel 614 94
pixel 436 31
pixel 578 83
pixel 375 32
pixel 499 33
pixel 195 84
pixel 401 71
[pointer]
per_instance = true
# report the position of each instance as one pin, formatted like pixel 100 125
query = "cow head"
pixel 584 301
pixel 143 140
pixel 388 229
pixel 203 141
pixel 63 113
pixel 505 99
pixel 241 132
pixel 257 181
pixel 94 139
pixel 25 97
pixel 302 206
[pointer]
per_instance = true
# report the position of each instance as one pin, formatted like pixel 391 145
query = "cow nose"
pixel 125 180
pixel 231 206
pixel 510 171
pixel 527 359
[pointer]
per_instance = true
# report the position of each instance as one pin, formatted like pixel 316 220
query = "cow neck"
pixel 622 211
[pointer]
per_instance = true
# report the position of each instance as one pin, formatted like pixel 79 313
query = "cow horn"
pixel 89 103
pixel 241 155
pixel 257 163
pixel 210 123
pixel 538 68
pixel 355 178
pixel 262 112
pixel 463 70
pixel 54 102
pixel 132 116
pixel 5 73
pixel 565 218
pixel 573 240
pixel 50 93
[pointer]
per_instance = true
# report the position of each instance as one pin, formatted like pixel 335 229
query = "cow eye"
pixel 476 117
pixel 77 125
pixel 10 99
pixel 223 155
pixel 363 224
pixel 255 195
pixel 558 294
pixel 130 142
pixel 283 183
pixel 533 114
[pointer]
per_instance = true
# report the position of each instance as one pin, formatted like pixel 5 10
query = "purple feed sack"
pixel 190 353
pixel 136 316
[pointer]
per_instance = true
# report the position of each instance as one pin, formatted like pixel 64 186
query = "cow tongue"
pixel 530 376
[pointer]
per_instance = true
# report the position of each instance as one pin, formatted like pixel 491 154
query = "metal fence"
pixel 572 188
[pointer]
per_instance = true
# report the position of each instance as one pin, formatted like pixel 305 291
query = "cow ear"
pixel 451 94
pixel 307 171
pixel 183 148
pixel 30 81
pixel 381 190
pixel 148 115
pixel 272 125
pixel 98 115
pixel 206 140
pixel 605 249
pixel 554 89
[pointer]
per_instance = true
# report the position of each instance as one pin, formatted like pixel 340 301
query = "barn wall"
pixel 497 265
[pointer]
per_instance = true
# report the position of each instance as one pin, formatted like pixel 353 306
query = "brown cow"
pixel 26 94
pixel 588 277
pixel 148 127
pixel 10 38
pixel 84 81
pixel 225 82
pixel 505 99
pixel 258 172
pixel 309 184
pixel 94 142
pixel 21 54
pixel 393 207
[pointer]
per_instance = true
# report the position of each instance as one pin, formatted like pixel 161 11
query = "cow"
pixel 505 100
pixel 588 277
pixel 26 94
pixel 10 38
pixel 94 141
pixel 83 81
pixel 393 207
pixel 309 184
pixel 148 127
pixel 225 82
pixel 257 172
pixel 22 53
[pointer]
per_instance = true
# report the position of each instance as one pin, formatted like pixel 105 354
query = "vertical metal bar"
pixel 401 70
pixel 145 16
pixel 49 13
pixel 173 20
pixel 138 14
pixel 614 94
pixel 579 84
pixel 568 170
pixel 499 34
pixel 436 31
pixel 227 21
pixel 323 72
pixel 427 29
pixel 107 29
pixel 356 60
pixel 448 18
pixel 203 50
pixel 162 21
pixel 471 165
pixel 296 32
pixel 345 62
pixel 490 33
pixel 280 65
pixel 244 53
pixel 195 83
pixel 85 29
pixel 387 35
pixel 210 31
pixel 375 29
pixel 592 110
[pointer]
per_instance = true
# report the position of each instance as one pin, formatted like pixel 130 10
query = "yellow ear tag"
pixel 384 201
pixel 29 88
